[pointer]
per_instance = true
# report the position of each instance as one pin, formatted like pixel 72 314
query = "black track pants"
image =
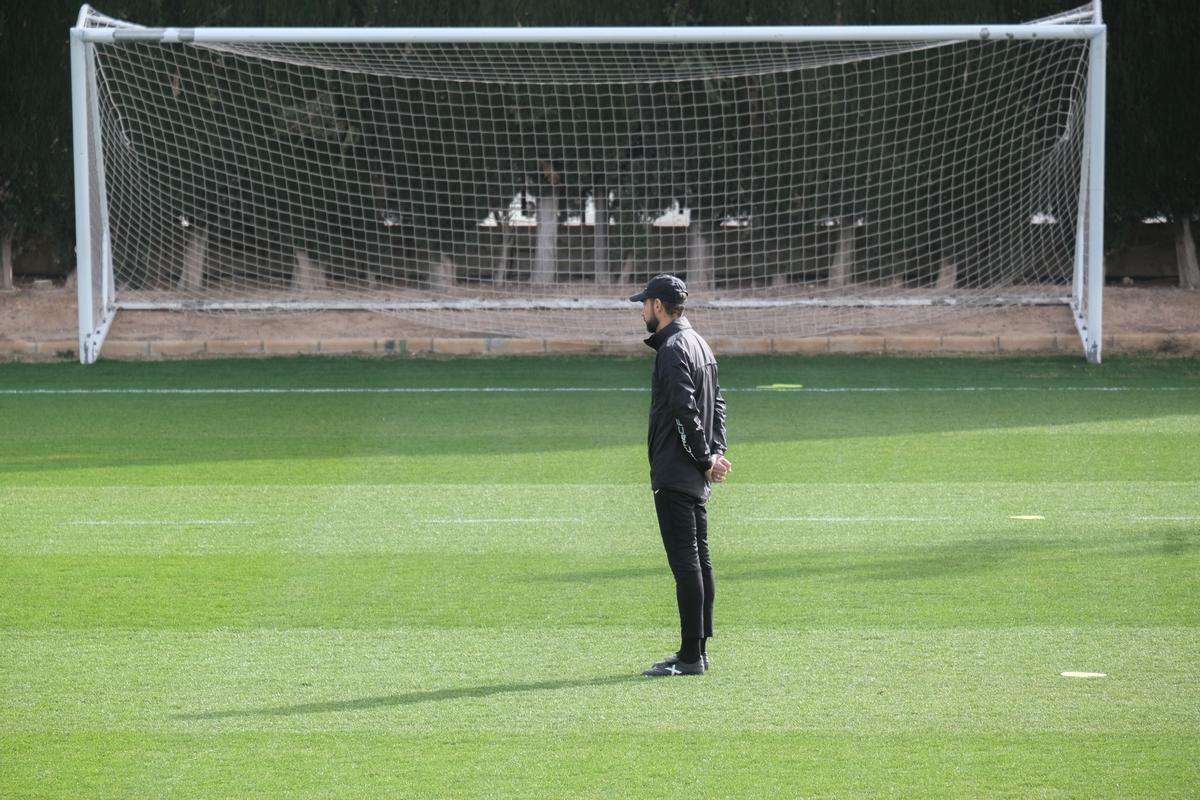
pixel 683 523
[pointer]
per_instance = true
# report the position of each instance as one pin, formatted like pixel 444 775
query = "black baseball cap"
pixel 667 288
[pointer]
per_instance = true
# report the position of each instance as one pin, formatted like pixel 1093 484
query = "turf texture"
pixel 440 579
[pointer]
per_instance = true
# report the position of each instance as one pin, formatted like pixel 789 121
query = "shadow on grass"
pixel 408 698
pixel 951 560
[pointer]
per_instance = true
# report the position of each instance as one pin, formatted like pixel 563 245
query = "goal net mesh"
pixel 524 189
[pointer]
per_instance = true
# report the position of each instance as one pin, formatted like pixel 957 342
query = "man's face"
pixel 648 316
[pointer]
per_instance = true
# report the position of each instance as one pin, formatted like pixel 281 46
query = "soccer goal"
pixel 518 181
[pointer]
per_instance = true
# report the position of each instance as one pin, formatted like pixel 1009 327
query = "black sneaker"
pixel 674 659
pixel 671 665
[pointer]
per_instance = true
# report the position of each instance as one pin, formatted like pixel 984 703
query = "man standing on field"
pixel 687 455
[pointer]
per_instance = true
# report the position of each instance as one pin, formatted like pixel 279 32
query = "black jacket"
pixel 687 411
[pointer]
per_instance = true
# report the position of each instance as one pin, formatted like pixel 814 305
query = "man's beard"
pixel 652 325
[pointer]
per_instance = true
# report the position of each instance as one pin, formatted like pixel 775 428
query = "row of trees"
pixel 1153 162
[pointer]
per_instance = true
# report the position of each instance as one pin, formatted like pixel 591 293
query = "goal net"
pixel 520 182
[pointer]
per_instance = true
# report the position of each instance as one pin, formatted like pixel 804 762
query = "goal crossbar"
pixel 598 35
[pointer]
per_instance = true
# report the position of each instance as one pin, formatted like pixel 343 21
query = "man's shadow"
pixel 407 698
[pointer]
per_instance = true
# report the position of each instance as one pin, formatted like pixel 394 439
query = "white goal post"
pixel 517 181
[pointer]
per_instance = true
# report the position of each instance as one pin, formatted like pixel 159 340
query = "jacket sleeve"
pixel 681 398
pixel 718 432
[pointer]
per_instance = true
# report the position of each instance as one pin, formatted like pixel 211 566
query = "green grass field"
pixel 212 591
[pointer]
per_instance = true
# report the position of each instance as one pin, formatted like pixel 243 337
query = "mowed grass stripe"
pixel 550 439
pixel 834 371
pixel 739 766
pixel 993 581
pixel 567 678
pixel 1069 456
pixel 34 392
pixel 593 519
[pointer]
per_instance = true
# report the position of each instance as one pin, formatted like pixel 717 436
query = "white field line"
pixel 224 522
pixel 849 519
pixel 500 520
pixel 576 520
pixel 581 390
pixel 918 389
pixel 331 390
pixel 865 519
pixel 175 522
pixel 1180 518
